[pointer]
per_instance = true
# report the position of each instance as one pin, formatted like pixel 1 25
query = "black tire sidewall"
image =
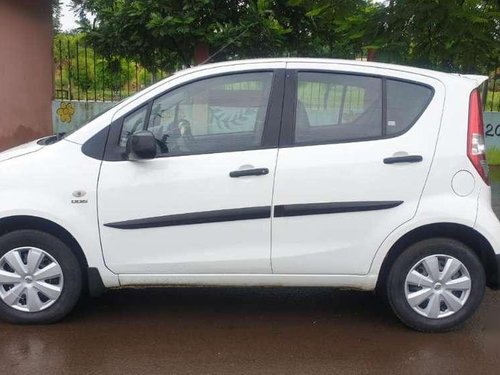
pixel 418 251
pixel 72 276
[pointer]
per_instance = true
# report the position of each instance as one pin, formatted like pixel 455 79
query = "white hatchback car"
pixel 280 172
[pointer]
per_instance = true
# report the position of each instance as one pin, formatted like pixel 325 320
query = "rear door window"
pixel 339 107
pixel 336 107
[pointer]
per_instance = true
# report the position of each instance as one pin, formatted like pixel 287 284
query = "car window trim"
pixel 287 138
pixel 272 122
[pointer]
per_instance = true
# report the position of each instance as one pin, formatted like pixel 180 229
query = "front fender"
pixel 42 185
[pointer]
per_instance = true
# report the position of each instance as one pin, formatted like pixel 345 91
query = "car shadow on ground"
pixel 239 303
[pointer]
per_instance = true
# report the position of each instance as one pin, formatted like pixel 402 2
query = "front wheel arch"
pixel 13 223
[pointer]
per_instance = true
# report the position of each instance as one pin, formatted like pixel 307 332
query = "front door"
pixel 356 151
pixel 202 206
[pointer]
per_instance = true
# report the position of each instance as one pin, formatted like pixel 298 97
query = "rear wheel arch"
pixel 462 233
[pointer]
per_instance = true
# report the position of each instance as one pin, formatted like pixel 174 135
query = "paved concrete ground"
pixel 248 331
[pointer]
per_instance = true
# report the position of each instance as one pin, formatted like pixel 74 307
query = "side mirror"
pixel 141 145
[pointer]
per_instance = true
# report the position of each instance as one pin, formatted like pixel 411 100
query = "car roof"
pixel 354 63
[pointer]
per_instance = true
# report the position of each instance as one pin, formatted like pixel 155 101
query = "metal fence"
pixel 492 102
pixel 81 73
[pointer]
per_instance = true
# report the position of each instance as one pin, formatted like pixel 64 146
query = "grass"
pixel 493 101
pixel 495 173
pixel 493 156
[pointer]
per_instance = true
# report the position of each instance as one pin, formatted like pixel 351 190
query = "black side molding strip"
pixel 332 208
pixel 251 213
pixel 203 217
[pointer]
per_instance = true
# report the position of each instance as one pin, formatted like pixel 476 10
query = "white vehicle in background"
pixel 281 172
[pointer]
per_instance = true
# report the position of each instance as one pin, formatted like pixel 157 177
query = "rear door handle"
pixel 249 172
pixel 404 159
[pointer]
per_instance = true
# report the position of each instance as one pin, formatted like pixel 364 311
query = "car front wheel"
pixel 436 285
pixel 40 278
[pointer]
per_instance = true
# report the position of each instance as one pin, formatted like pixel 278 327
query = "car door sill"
pixel 363 282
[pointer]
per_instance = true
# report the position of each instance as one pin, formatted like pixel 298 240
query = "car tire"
pixel 424 272
pixel 48 283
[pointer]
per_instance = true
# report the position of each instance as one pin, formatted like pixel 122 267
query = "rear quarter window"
pixel 405 103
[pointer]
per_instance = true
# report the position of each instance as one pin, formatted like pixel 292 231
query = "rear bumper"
pixel 488 226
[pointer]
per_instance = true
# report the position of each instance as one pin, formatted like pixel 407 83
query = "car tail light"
pixel 476 149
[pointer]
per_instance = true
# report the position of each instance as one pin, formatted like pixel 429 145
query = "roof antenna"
pixel 227 44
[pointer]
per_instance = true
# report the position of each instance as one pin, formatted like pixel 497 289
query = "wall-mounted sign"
pixel 492 133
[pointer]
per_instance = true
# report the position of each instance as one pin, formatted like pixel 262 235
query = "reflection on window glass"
pixel 213 115
pixel 405 102
pixel 131 124
pixel 334 107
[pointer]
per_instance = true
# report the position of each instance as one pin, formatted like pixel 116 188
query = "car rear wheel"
pixel 40 278
pixel 436 285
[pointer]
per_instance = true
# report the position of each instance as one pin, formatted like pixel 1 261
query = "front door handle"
pixel 404 159
pixel 249 172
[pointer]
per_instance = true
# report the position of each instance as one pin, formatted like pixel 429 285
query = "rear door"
pixel 356 148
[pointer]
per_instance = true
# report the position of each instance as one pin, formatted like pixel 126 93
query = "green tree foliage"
pixel 56 15
pixel 165 33
pixel 458 35
pixel 454 35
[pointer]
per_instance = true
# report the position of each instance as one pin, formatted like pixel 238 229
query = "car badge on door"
pixel 79 194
